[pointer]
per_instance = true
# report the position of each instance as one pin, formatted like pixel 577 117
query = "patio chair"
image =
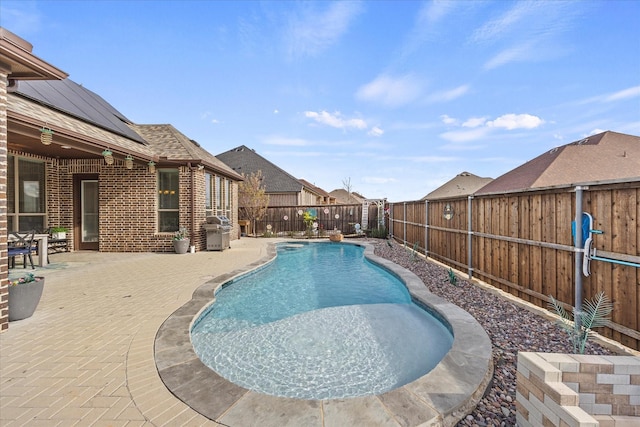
pixel 22 243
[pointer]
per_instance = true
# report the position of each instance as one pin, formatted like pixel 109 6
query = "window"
pixel 227 199
pixel 218 193
pixel 26 201
pixel 208 195
pixel 168 200
pixel 217 196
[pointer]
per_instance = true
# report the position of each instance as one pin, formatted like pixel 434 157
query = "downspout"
pixel 193 204
pixel 577 311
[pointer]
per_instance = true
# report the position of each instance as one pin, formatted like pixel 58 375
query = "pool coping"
pixel 440 398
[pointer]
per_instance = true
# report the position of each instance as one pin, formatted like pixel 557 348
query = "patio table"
pixel 43 243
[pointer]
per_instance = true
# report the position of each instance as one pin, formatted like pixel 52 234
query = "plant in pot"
pixel 24 296
pixel 181 241
pixel 59 232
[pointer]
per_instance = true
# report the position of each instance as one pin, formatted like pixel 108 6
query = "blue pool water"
pixel 319 322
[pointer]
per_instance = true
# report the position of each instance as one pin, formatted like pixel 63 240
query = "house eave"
pixel 16 57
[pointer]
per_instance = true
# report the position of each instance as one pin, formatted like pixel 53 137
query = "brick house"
pixel 116 185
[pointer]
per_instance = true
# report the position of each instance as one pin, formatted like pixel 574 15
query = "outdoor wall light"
pixel 128 162
pixel 152 167
pixel 46 136
pixel 108 156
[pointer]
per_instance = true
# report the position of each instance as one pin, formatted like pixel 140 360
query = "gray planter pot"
pixel 181 246
pixel 24 298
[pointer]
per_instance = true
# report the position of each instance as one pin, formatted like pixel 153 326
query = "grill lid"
pixel 219 219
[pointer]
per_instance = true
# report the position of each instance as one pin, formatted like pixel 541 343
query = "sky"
pixel 393 97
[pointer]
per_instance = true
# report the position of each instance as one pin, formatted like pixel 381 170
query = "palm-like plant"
pixel 594 314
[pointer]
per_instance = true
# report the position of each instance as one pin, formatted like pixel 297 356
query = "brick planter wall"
pixel 577 390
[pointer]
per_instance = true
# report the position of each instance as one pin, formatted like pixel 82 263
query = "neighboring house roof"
pixel 244 160
pixel 342 197
pixel 602 157
pixel 169 143
pixel 313 189
pixel 73 99
pixel 463 184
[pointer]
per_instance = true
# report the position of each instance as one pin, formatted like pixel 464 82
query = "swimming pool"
pixel 319 322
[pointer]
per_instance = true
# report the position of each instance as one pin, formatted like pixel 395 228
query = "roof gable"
pixel 244 160
pixel 463 184
pixel 168 142
pixel 342 196
pixel 602 157
pixel 317 190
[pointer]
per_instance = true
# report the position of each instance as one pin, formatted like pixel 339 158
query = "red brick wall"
pixel 128 204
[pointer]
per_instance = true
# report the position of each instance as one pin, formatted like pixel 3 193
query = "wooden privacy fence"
pixel 288 219
pixel 522 242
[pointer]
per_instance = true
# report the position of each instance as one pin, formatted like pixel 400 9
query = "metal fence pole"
pixel 578 258
pixel 469 238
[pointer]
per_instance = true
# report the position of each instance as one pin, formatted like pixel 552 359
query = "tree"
pixel 252 198
pixel 346 185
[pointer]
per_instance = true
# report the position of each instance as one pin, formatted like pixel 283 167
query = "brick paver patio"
pixel 86 356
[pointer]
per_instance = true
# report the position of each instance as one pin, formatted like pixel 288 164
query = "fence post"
pixel 426 228
pixel 469 238
pixel 578 258
pixel 404 222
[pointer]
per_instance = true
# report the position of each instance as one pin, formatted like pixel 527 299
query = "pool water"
pixel 319 322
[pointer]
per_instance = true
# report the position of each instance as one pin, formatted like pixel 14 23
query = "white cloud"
pixel 516 53
pixel 477 128
pixel 335 120
pixel 425 27
pixel 528 31
pixel 449 95
pixel 377 180
pixel 375 131
pixel 620 95
pixel 312 31
pixel 474 122
pixel 215 121
pixel 448 120
pixel 496 28
pixel 464 135
pixel 596 131
pixel 276 111
pixel 432 159
pixel 623 94
pixel 516 121
pixel 391 91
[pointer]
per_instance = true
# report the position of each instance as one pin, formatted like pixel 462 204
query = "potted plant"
pixel 24 296
pixel 181 241
pixel 59 232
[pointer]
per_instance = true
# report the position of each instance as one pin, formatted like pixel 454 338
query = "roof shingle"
pixel 244 160
pixel 602 157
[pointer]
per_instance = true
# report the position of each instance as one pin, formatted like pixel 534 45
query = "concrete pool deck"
pixel 442 397
pixel 87 356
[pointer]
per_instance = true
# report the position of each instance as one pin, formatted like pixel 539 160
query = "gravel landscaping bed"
pixel 510 327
